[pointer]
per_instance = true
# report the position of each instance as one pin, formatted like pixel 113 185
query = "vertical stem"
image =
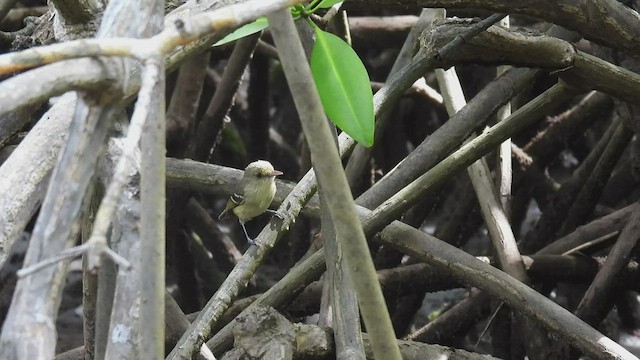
pixel 89 287
pixel 152 229
pixel 330 174
pixel 343 299
pixel 104 305
pixel 495 217
pixel 504 169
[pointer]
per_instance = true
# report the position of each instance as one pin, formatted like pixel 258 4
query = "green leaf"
pixel 325 4
pixel 246 30
pixel 344 87
pixel 296 11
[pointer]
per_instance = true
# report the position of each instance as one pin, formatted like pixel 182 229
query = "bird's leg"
pixel 275 213
pixel 249 240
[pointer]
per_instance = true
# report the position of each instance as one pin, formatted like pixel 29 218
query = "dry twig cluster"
pixel 93 166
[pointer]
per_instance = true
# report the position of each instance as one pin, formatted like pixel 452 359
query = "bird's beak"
pixel 276 173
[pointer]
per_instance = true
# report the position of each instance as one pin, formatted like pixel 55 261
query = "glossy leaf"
pixel 344 87
pixel 246 30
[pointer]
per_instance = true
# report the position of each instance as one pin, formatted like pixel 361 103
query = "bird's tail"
pixel 235 200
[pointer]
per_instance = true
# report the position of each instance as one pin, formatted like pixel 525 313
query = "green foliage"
pixel 343 85
pixel 298 10
pixel 246 30
pixel 341 78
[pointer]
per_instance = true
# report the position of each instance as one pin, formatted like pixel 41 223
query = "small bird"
pixel 253 194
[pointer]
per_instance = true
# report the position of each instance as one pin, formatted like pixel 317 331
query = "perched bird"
pixel 253 194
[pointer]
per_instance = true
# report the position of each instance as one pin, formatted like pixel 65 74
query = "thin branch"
pixel 64 255
pixel 96 246
pixel 89 282
pixel 152 219
pixel 339 304
pixel 495 217
pixel 555 212
pixel 277 296
pixel 120 290
pixel 468 153
pixel 586 200
pixel 608 238
pixel 592 18
pixel 521 297
pixel 223 250
pixel 57 224
pixel 37 56
pixel 453 132
pixel 598 299
pixel 493 213
pixel 181 33
pixel 445 52
pixel 456 263
pixel 328 168
pixel 504 177
pixel 210 125
pixel 127 165
pixel 419 88
pixel 38 85
pixel 201 328
pixel 32 162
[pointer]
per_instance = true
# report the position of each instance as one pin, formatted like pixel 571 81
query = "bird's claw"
pixel 276 214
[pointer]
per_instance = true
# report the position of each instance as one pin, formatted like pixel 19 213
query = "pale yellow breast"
pixel 257 200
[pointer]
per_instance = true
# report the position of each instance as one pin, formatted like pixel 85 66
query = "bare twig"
pixel 211 123
pixel 495 217
pixel 493 212
pixel 532 111
pixel 451 261
pixel 181 33
pixel 96 246
pixel 585 201
pixel 32 162
pixel 591 18
pixel 504 172
pixel 598 241
pixel 56 227
pixel 127 165
pixel 64 255
pixel 599 298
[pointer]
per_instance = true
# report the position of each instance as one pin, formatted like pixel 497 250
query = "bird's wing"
pixel 234 200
